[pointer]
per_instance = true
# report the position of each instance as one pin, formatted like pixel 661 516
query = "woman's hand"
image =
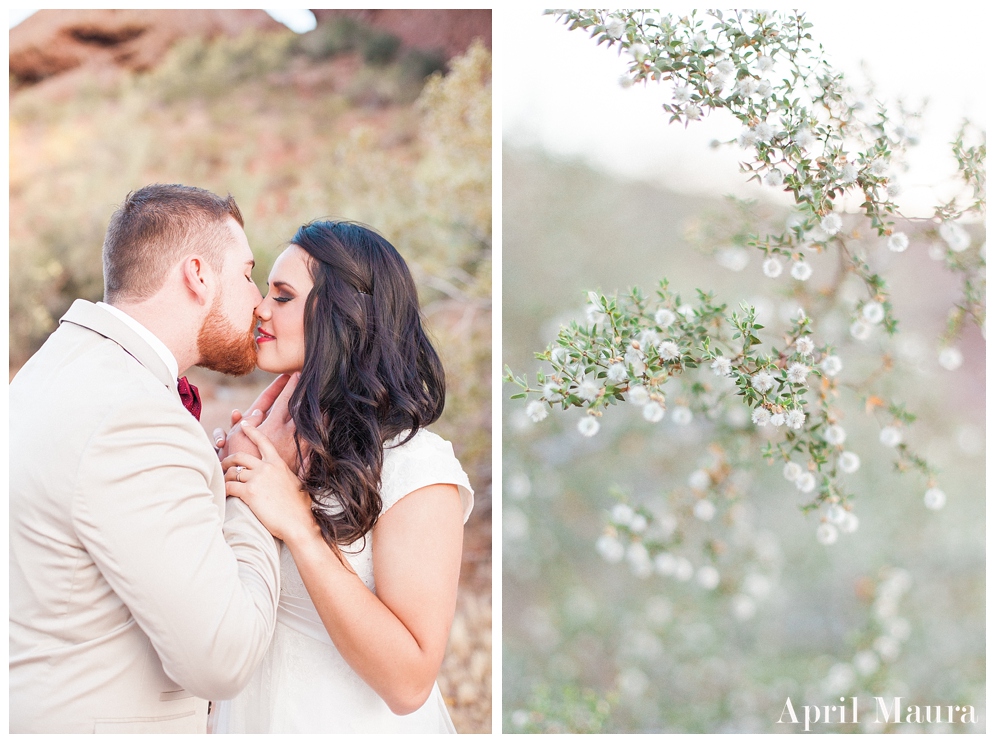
pixel 270 489
pixel 271 412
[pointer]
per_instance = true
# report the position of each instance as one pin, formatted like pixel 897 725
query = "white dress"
pixel 303 684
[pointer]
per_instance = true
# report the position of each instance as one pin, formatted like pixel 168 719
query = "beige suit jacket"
pixel 129 603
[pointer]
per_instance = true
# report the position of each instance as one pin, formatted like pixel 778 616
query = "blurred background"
pixel 599 193
pixel 378 116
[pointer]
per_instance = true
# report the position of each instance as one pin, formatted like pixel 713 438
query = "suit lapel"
pixel 88 315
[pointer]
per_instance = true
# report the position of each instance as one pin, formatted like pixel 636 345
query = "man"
pixel 129 605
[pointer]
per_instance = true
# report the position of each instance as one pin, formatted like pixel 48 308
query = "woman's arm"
pixel 394 639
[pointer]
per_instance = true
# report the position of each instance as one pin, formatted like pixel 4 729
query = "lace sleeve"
pixel 427 459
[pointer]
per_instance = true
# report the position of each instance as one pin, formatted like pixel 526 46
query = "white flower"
pixel 699 480
pixel 664 318
pixel 774 178
pixel 951 358
pixel 777 420
pixel 666 563
pixel 693 112
pixel 831 224
pixel 686 310
pixel 743 607
pixel 866 662
pixel 772 267
pixel 848 174
pixel 588 390
pixel 806 482
pixel 816 235
pixel 795 419
pixel 682 94
pixel 763 131
pixel 898 242
pixel 588 425
pixel 595 315
pixel 955 236
pixel 734 258
pixel 684 570
pixel 638 395
pixel 559 355
pixel 804 138
pixel 536 411
pixel 804 345
pixel 894 188
pixel 761 416
pixel 762 381
pixel 792 471
pixel 747 86
pixel 887 647
pixel 757 585
pixel 747 138
pixel 625 81
pixel 617 373
pixel 610 548
pixel 935 499
pixel 634 357
pixel 725 68
pixel 849 462
pixel 797 373
pixel 721 366
pixel 827 534
pixel 653 412
pixel 861 330
pixel 638 523
pixel 835 435
pixel 831 366
pixel 681 415
pixel 764 62
pixel 873 312
pixel 801 271
pixel 647 338
pixel 839 679
pixel 704 510
pixel 879 166
pixel 639 51
pixel 698 42
pixel 708 577
pixel 668 351
pixel 836 514
pixel 850 523
pixel 622 514
pixel 890 436
pixel 639 560
pixel 551 392
pixel 614 27
pixel 765 89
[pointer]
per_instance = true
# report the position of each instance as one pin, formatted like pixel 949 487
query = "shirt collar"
pixel 147 335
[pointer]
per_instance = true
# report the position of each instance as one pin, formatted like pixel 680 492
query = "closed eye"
pixel 282 299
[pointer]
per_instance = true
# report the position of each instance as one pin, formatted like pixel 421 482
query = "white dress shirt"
pixel 146 335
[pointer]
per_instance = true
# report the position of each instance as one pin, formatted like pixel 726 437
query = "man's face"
pixel 225 342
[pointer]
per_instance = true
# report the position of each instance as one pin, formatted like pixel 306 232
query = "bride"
pixel 371 515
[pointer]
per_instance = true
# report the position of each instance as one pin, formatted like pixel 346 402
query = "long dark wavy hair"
pixel 370 373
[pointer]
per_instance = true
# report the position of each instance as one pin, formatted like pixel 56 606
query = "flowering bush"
pixel 786 391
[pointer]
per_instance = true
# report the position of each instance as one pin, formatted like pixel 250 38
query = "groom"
pixel 129 605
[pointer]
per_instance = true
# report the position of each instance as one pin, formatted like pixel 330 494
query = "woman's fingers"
pixel 265 446
pixel 239 458
pixel 282 403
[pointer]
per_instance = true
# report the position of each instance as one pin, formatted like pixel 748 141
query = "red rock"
pixel 52 42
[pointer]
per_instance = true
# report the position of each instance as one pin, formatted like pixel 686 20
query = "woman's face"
pixel 280 335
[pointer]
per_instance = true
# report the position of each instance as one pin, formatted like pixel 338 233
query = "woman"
pixel 371 518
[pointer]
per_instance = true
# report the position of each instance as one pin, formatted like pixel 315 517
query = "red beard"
pixel 224 349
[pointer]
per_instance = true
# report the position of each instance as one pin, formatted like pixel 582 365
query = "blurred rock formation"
pixel 55 46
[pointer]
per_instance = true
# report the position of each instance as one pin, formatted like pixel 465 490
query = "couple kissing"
pixel 300 575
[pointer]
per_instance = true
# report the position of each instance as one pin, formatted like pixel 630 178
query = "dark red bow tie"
pixel 189 396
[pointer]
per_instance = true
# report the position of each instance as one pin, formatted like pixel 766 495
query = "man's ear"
pixel 197 278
